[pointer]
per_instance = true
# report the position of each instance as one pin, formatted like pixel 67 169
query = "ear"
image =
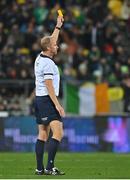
pixel 48 48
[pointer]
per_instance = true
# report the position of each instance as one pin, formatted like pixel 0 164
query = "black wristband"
pixel 58 28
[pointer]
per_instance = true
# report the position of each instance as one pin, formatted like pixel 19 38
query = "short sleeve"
pixel 48 71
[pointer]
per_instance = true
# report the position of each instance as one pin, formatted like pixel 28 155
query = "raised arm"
pixel 58 26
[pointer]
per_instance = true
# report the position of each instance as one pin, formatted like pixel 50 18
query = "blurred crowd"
pixel 93 46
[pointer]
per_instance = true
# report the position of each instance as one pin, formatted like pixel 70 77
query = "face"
pixel 53 48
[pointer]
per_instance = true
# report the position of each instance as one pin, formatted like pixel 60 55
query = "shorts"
pixel 45 110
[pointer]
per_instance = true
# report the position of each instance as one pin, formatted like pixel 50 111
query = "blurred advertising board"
pixel 81 134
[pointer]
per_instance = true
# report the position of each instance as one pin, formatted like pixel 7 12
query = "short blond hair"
pixel 45 42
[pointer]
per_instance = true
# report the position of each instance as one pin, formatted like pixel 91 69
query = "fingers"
pixel 61 112
pixel 61 19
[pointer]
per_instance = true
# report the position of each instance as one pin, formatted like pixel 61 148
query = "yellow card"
pixel 60 13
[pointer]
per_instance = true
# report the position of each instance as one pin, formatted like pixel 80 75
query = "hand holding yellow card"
pixel 60 13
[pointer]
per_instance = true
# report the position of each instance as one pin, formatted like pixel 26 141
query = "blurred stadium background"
pixel 94 63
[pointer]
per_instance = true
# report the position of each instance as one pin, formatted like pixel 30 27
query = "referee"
pixel 48 109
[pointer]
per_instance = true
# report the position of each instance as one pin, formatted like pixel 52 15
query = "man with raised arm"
pixel 47 107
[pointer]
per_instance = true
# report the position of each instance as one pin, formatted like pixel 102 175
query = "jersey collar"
pixel 44 56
